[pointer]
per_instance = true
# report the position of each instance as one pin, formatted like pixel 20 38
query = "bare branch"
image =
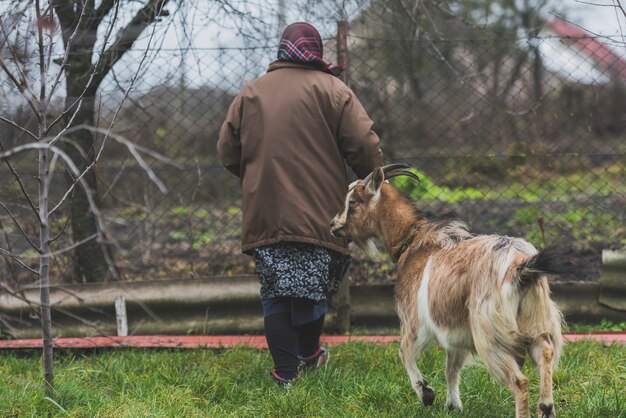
pixel 103 9
pixel 115 179
pixel 595 34
pixel 5 38
pixel 22 86
pixel 82 320
pixel 75 179
pixel 108 133
pixel 57 80
pixel 21 184
pixel 13 330
pixel 17 260
pixel 19 127
pixel 4 240
pixel 63 229
pixel 70 247
pixel 126 94
pixel 41 55
pixel 21 148
pixel 36 304
pixel 128 35
pixel 70 164
pixel 621 7
pixel 64 11
pixel 17 224
pixel 132 148
pixel 68 218
pixel 67 18
pixel 75 106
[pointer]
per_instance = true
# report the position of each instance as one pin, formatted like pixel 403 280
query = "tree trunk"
pixel 44 273
pixel 90 263
pixel 79 21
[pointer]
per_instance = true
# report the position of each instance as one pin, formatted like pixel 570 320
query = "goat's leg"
pixel 518 384
pixel 454 364
pixel 508 371
pixel 411 347
pixel 504 368
pixel 542 354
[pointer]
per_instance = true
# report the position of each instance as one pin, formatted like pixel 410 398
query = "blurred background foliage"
pixel 512 116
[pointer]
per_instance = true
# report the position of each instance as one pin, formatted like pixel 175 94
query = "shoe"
pixel 318 359
pixel 284 382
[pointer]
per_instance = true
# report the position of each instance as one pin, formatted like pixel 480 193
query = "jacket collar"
pixel 277 65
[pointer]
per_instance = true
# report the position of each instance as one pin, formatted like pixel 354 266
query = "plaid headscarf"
pixel 302 43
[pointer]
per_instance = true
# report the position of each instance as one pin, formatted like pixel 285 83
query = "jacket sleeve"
pixel 358 143
pixel 229 142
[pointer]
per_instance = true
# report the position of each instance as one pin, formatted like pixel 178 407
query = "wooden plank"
pixel 121 317
pixel 605 337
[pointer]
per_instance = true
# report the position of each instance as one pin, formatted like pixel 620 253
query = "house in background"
pixel 580 56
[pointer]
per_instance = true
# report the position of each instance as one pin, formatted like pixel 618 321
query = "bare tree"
pixel 64 139
pixel 80 22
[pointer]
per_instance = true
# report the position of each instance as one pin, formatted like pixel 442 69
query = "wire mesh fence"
pixel 522 136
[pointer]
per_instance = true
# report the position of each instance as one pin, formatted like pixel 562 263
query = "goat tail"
pixel 539 316
pixel 546 262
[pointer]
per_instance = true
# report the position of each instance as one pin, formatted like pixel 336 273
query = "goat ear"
pixel 378 177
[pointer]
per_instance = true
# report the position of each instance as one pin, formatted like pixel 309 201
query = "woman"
pixel 288 135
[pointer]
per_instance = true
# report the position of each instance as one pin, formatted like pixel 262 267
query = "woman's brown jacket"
pixel 287 135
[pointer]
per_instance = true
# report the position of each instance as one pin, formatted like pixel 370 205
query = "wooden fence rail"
pixel 230 305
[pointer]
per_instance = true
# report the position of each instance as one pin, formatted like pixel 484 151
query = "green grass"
pixel 582 221
pixel 362 380
pixel 593 183
pixel 603 325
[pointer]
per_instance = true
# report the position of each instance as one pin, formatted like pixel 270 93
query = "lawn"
pixel 362 380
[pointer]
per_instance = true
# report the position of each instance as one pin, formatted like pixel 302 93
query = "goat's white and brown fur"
pixel 480 295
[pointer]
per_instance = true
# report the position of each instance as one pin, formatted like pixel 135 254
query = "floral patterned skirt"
pixel 299 270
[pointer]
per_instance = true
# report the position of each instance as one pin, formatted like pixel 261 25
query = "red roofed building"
pixel 588 49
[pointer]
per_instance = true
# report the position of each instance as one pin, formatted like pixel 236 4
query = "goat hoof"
pixel 428 395
pixel 546 410
pixel 454 407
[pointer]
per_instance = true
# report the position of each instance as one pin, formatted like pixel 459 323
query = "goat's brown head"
pixel 357 221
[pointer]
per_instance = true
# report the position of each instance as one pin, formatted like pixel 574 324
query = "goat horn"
pixel 386 169
pixel 401 172
pixel 394 170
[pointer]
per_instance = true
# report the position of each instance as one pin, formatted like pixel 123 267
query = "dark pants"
pixel 289 342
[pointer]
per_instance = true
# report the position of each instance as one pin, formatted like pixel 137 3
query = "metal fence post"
pixel 342 300
pixel 120 316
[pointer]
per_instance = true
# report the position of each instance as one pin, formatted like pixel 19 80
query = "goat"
pixel 482 295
